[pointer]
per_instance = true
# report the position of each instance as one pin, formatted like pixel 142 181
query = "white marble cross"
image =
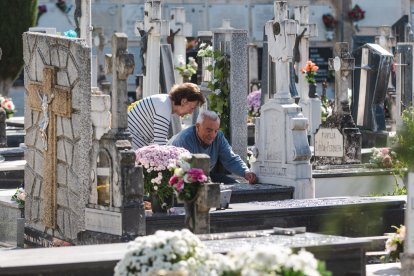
pixel 281 33
pixel 150 30
pixel 180 29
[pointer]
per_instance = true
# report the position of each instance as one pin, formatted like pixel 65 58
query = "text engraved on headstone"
pixel 329 142
pixel 266 170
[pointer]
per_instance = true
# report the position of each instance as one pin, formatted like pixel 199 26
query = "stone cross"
pixel 281 34
pixel 343 64
pixel 181 29
pixel 198 217
pixel 311 107
pixel 120 64
pixel 51 100
pixel 150 30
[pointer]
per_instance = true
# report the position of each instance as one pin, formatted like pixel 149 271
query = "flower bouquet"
pixel 254 103
pixel 205 50
pixel 8 106
pixel 394 245
pixel 157 162
pixel 382 158
pixel 186 70
pixel 19 197
pixel 182 253
pixel 185 179
pixel 309 71
pixel 356 13
pixel 329 21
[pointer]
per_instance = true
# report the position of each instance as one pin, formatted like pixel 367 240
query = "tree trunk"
pixel 5 86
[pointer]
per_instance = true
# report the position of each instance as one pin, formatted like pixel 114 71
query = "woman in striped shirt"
pixel 149 119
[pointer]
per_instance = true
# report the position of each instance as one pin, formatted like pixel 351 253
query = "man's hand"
pixel 251 177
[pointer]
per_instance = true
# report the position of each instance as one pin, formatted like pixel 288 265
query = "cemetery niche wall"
pixel 372 74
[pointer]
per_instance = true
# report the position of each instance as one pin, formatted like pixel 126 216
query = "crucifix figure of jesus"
pixel 51 100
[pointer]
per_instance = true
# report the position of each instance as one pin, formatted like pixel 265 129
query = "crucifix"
pixel 281 34
pixel 51 100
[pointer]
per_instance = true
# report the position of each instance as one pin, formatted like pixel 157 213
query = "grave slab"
pixel 101 259
pixel 345 216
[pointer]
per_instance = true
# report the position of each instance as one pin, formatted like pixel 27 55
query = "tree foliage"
pixel 16 18
pixel 404 144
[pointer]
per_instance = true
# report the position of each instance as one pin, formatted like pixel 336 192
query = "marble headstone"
pixel 282 149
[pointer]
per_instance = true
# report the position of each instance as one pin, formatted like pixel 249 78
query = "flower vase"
pixel 158 207
pixel 312 91
pixel 190 210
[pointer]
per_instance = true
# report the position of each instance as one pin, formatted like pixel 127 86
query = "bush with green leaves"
pixel 17 16
pixel 404 140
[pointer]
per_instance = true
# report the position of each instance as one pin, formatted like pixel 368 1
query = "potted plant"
pixel 310 71
pixel 8 106
pixel 157 162
pixel 186 70
pixel 186 182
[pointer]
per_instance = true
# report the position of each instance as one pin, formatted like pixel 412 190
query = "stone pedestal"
pixel 282 148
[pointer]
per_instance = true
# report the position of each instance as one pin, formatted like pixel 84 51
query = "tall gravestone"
pixel 150 31
pixel 115 205
pixel 370 89
pixel 58 133
pixel 404 78
pixel 311 104
pixel 282 149
pixel 387 40
pixel 233 42
pixel 338 140
pixel 179 30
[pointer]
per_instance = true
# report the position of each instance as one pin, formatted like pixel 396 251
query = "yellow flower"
pixel 131 106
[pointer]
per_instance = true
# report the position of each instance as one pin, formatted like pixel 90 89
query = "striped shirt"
pixel 149 121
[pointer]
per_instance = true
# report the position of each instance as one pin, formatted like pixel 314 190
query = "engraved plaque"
pixel 329 142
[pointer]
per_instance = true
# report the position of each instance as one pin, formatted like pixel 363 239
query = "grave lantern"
pixel 103 178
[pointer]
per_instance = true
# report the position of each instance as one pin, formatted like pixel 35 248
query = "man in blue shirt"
pixel 205 137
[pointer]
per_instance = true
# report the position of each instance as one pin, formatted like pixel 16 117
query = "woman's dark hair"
pixel 187 90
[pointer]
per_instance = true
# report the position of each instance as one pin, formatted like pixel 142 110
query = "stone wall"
pixel 70 60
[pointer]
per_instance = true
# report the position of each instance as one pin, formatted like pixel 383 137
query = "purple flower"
pixel 254 103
